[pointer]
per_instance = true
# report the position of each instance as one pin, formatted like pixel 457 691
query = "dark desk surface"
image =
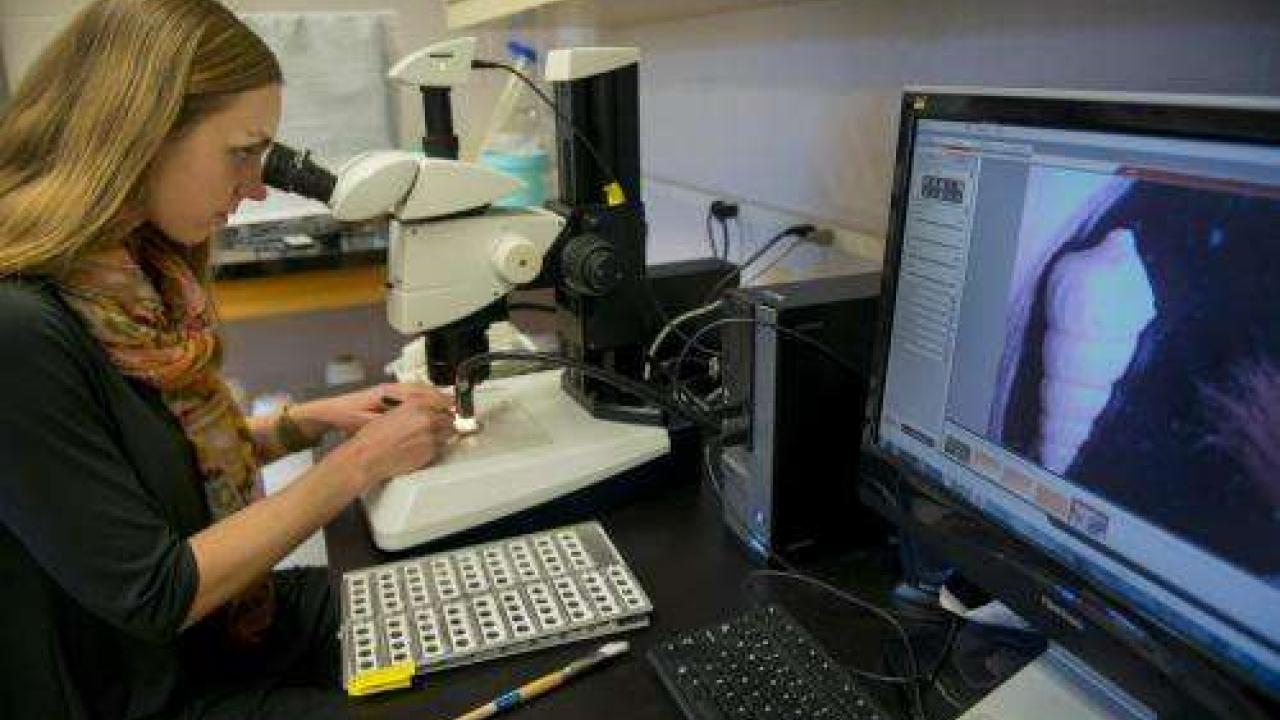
pixel 670 535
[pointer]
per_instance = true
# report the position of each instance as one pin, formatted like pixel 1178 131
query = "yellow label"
pixel 613 194
pixel 392 677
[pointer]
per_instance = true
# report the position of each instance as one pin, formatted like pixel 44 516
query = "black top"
pixel 99 490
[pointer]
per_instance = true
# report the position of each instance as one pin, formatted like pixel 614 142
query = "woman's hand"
pixel 233 552
pixel 350 412
pixel 406 438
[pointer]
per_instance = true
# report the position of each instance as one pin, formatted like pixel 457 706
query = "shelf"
pixel 613 13
pixel 595 13
pixel 465 13
pixel 299 292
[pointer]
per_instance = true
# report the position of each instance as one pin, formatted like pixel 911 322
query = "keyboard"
pixel 760 665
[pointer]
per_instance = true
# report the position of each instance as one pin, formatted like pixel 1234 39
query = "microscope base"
pixel 535 444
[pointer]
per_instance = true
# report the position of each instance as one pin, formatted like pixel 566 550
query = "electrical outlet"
pixel 724 210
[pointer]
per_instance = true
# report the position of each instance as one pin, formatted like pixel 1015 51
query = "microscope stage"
pixel 535 444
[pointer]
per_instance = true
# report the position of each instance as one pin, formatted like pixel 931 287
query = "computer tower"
pixel 789 480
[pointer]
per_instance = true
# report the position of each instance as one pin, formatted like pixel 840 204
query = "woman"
pixel 135 552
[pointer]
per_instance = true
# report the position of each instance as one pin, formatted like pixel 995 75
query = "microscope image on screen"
pixel 1142 350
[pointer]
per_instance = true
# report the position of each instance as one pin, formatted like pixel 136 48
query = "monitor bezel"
pixel 1218 118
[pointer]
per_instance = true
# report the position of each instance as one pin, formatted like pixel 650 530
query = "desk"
pixel 670 535
pixel 668 527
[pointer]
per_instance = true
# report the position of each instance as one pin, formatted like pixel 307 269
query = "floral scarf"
pixel 151 314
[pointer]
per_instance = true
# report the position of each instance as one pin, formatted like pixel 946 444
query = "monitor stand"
pixel 1058 685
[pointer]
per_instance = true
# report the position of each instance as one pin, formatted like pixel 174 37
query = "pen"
pixel 546 683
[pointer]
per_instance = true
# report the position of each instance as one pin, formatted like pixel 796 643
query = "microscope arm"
pixel 450 258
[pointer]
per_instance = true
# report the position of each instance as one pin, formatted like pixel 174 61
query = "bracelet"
pixel 289 433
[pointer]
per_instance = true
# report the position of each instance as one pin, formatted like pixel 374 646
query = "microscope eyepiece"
pixel 286 169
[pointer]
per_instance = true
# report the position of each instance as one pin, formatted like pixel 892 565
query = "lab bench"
pixel 666 523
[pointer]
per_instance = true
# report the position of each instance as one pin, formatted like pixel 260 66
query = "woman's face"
pixel 198 179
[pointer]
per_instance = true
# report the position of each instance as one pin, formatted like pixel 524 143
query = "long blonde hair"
pixel 94 110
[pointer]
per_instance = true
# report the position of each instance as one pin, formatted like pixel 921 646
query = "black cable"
pixel 673 326
pixel 911 681
pixel 794 230
pixel 776 259
pixel 591 148
pixel 465 388
pixel 932 677
pixel 825 351
pixel 663 316
pixel 803 230
pixel 466 408
pixel 535 307
pixel 721 251
pixel 711 236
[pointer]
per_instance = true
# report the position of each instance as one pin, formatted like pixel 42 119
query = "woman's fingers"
pixel 403 392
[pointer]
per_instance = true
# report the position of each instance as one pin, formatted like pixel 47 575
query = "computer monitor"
pixel 1078 374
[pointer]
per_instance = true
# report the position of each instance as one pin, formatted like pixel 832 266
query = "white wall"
pixel 792 109
pixel 795 108
pixel 26 26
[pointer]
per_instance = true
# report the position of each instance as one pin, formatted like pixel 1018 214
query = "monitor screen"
pixel 1083 344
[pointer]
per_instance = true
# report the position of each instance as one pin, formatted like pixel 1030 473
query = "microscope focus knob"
pixel 590 265
pixel 517 259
